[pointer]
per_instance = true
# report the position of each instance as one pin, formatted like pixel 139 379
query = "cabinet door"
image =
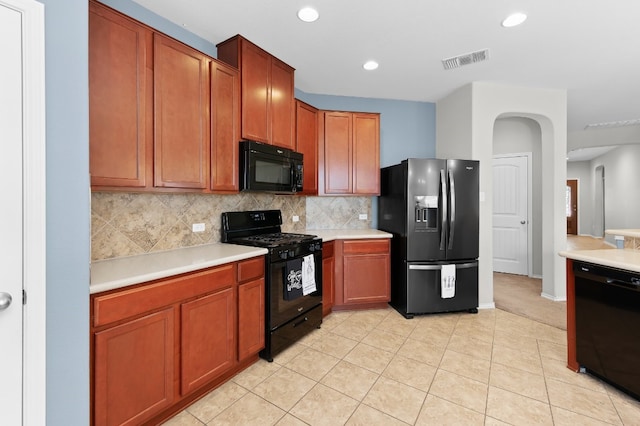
pixel 225 127
pixel 134 369
pixel 282 111
pixel 307 144
pixel 366 154
pixel 255 92
pixel 366 271
pixel 181 95
pixel 337 153
pixel 118 67
pixel 208 342
pixel 328 280
pixel 251 328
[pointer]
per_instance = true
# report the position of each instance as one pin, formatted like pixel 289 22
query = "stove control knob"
pixel 291 253
pixel 282 254
pixel 312 247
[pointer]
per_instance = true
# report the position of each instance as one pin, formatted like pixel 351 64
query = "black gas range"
pixel 293 275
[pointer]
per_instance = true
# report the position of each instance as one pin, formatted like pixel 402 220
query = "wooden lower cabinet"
pixel 328 280
pixel 207 338
pixel 251 332
pixel 158 346
pixel 363 269
pixel 133 369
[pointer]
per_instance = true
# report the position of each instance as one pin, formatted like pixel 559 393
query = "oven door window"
pixel 283 305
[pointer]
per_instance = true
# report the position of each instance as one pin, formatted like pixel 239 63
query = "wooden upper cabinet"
pixel 181 115
pixel 338 153
pixel 254 67
pixel 349 153
pixel 225 127
pixel 307 144
pixel 119 112
pixel 267 92
pixel 366 154
pixel 282 110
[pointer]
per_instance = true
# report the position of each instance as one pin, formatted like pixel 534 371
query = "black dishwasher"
pixel 608 324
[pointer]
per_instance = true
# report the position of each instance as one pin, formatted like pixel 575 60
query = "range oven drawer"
pixel 287 334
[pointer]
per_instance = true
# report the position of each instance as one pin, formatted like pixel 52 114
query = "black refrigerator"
pixel 431 207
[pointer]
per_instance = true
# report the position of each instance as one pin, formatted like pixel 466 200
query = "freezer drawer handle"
pixel 439 267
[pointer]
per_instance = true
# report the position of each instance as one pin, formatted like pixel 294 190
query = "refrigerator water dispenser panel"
pixel 426 211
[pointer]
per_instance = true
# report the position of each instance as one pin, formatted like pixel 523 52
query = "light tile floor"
pixel 377 368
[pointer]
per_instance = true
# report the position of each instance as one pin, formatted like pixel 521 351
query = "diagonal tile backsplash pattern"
pixel 125 224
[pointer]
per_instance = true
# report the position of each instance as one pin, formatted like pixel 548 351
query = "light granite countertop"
pixel 110 274
pixel 119 272
pixel 347 234
pixel 615 258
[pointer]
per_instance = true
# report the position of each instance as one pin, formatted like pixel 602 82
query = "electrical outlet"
pixel 198 227
pixel 362 216
pixel 296 218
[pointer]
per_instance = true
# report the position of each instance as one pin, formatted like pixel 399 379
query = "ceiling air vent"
pixel 466 59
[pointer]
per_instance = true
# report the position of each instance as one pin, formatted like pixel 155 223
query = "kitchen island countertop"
pixel 110 274
pixel 615 258
pixel 632 233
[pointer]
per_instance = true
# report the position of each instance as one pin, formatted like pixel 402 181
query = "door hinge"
pixel 24 297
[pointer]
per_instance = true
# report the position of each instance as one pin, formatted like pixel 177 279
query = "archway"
pixel 464 129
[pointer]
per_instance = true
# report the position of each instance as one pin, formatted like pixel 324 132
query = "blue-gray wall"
pixel 67 163
pixel 407 130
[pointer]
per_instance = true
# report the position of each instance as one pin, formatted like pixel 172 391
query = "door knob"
pixel 5 301
pixel 522 222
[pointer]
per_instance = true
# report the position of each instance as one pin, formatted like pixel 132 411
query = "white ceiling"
pixel 591 48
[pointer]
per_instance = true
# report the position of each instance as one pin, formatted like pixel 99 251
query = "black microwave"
pixel 269 168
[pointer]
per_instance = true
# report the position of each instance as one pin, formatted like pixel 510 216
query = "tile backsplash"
pixel 125 224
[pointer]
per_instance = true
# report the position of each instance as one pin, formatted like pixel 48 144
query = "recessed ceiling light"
pixel 370 65
pixel 308 14
pixel 514 19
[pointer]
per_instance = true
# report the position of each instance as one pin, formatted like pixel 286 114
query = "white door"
pixel 11 216
pixel 510 211
pixel 23 214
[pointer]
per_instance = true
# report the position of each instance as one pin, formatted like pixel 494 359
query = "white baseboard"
pixel 491 305
pixel 553 298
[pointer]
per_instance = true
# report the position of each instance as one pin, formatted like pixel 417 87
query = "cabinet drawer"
pixel 366 246
pixel 127 303
pixel 327 249
pixel 250 269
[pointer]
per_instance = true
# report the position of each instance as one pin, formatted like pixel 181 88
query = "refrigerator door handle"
pixel 439 267
pixel 443 216
pixel 452 219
